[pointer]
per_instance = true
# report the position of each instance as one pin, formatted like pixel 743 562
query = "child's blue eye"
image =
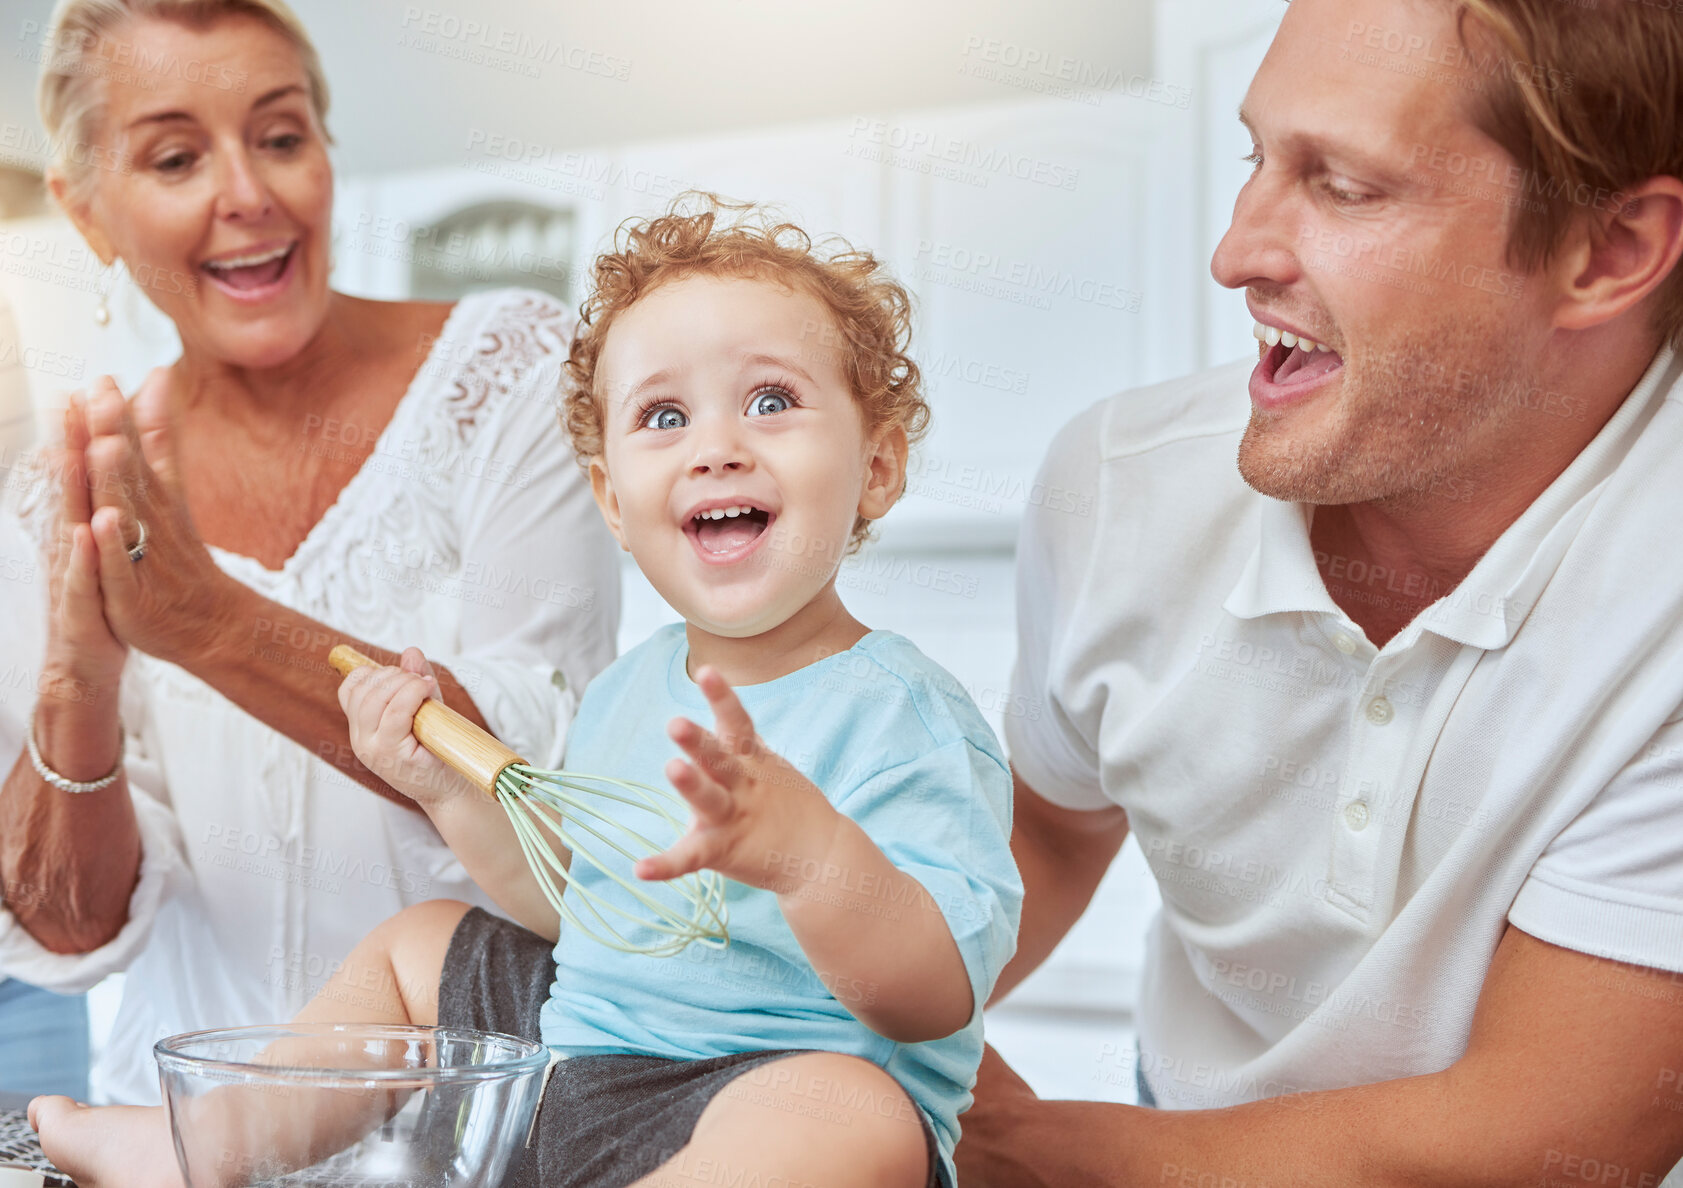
pixel 665 417
pixel 770 401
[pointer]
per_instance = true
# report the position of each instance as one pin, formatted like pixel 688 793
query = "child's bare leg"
pixel 819 1118
pixel 390 977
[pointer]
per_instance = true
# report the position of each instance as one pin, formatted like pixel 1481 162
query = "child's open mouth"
pixel 727 532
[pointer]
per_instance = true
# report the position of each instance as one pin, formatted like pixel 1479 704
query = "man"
pixel 1395 712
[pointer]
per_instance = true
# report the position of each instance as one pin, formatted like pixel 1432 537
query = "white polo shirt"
pixel 1341 832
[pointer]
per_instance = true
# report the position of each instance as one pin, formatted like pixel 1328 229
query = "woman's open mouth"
pixel 724 535
pixel 254 276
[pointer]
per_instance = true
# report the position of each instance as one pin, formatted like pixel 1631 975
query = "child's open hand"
pixel 752 807
pixel 380 704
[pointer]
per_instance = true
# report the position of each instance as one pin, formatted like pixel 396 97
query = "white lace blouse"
pixel 469 532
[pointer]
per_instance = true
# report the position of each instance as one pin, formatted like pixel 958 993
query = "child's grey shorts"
pixel 605 1121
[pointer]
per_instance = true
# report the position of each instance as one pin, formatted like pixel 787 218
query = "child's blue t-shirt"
pixel 896 745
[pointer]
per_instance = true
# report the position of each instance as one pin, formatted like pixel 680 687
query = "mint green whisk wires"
pixel 578 812
pixel 566 808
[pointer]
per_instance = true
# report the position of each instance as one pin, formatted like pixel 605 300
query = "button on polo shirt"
pixel 1342 832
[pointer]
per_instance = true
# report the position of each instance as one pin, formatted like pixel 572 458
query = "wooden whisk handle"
pixel 469 750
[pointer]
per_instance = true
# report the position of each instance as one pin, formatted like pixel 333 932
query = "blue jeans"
pixel 43 1041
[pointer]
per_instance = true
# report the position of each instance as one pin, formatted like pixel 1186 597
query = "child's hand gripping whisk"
pixel 401 732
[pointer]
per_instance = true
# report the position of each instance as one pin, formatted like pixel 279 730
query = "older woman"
pixel 314 468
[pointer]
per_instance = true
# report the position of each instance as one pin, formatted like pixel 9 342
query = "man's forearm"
pixel 1055 896
pixel 1062 857
pixel 1564 1080
pixel 1417 1132
pixel 1397 1133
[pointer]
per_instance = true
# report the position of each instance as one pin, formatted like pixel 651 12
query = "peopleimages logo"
pixel 918 147
pixel 448 35
pixel 1043 71
pixel 100 56
pixel 49 363
pixel 320 868
pixel 1022 281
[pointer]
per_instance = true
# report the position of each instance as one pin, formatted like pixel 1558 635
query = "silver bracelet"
pixel 65 785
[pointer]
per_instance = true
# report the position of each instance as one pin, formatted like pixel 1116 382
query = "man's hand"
pixel 1063 855
pixel 988 1157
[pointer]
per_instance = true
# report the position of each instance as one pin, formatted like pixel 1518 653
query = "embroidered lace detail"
pixel 34 500
pixel 402 536
pixel 395 535
pixel 524 346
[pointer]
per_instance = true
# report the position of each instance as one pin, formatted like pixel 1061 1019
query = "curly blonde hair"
pixel 872 311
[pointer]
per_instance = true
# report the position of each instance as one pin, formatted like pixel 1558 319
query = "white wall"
pixel 565 73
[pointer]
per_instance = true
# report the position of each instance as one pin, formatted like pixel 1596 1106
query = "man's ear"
pixel 82 216
pixel 602 487
pixel 885 472
pixel 1614 260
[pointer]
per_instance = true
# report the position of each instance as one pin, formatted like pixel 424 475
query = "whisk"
pixel 578 811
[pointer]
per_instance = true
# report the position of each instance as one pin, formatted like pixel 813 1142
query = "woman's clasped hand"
pixel 117 484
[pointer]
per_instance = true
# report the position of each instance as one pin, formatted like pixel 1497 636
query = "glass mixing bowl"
pixel 349 1104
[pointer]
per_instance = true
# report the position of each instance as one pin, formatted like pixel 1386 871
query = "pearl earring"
pixel 102 311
